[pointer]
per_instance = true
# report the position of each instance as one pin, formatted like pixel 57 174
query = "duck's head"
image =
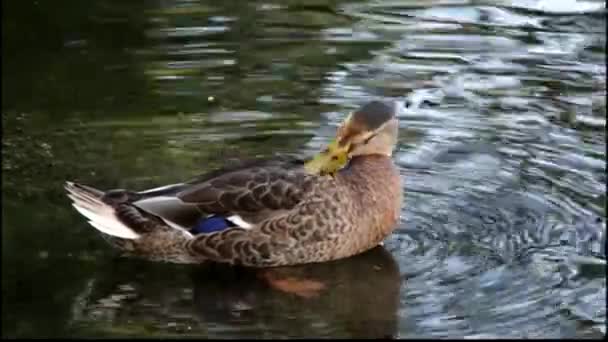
pixel 371 129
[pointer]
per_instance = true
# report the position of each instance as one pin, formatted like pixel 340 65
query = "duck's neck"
pixel 372 170
pixel 366 163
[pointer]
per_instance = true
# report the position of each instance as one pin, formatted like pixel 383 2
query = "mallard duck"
pixel 265 213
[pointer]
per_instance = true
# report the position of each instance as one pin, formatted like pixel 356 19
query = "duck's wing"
pixel 235 165
pixel 254 191
pixel 280 161
pixel 246 192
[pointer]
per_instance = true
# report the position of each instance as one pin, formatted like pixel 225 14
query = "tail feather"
pixel 100 215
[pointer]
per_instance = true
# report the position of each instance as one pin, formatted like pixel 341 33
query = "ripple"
pixel 477 15
pixel 557 7
pixel 191 31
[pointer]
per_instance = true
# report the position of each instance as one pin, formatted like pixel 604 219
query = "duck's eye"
pixel 334 158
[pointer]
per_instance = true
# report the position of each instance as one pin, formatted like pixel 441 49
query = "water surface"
pixel 501 150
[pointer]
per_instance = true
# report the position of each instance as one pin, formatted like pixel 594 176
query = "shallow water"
pixel 502 153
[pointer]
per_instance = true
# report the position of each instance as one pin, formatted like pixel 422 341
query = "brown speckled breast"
pixel 373 185
pixel 348 215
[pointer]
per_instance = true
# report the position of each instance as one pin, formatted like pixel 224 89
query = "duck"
pixel 264 213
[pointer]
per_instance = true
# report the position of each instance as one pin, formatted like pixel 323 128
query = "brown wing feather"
pixel 249 191
pixel 282 161
pixel 255 190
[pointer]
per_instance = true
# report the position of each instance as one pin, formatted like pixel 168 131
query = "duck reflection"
pixel 354 297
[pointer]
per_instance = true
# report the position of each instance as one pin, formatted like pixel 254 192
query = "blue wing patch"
pixel 211 224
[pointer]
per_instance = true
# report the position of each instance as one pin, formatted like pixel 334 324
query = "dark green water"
pixel 502 153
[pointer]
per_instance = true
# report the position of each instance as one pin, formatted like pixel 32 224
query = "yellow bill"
pixel 329 161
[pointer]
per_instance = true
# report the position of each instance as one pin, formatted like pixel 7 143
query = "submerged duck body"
pixel 270 213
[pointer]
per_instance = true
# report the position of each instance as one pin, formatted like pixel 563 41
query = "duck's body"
pixel 264 214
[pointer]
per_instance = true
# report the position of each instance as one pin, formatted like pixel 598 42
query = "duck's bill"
pixel 329 161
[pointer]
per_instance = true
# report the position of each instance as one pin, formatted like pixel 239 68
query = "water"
pixel 502 153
